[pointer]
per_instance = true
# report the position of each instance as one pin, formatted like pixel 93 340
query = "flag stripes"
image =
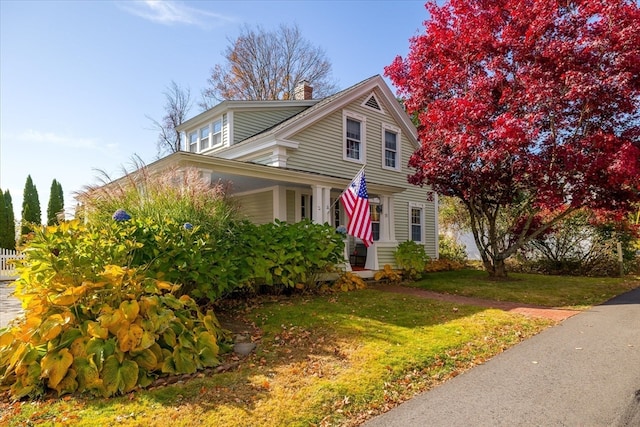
pixel 356 204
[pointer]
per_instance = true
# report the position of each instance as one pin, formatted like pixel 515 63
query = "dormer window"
pixel 204 138
pixel 193 142
pixel 217 133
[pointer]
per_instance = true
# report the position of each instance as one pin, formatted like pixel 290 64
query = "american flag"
pixel 356 203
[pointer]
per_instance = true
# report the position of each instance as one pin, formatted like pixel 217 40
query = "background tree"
pixel 177 105
pixel 525 108
pixel 56 203
pixel 31 213
pixel 267 65
pixel 3 220
pixel 7 222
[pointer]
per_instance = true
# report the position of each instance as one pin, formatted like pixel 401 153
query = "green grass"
pixel 321 360
pixel 549 291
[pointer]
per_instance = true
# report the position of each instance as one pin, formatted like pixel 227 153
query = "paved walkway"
pixel 9 306
pixel 583 372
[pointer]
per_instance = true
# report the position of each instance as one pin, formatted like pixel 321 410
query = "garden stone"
pixel 244 348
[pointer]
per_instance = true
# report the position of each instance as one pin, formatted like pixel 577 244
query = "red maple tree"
pixel 525 106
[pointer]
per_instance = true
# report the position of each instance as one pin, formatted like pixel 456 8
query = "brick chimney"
pixel 303 91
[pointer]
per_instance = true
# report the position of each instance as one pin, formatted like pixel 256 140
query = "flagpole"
pixel 338 198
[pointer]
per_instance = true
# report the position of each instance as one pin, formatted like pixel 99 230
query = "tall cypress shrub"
pixel 8 227
pixel 31 213
pixel 56 203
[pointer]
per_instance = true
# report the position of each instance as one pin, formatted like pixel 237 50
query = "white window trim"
pixel 196 143
pixel 213 133
pixel 208 137
pixel 197 131
pixel 396 130
pixel 422 207
pixel 363 136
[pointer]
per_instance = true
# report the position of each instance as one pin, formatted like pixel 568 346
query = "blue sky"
pixel 78 78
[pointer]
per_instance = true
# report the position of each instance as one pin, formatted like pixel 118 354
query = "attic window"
pixel 372 103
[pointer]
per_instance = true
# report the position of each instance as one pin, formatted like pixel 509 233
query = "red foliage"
pixel 533 97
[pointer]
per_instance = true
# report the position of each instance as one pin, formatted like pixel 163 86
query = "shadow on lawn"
pixel 302 338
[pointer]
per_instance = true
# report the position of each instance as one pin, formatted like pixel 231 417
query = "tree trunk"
pixel 496 268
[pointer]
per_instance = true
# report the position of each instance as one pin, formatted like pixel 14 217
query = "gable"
pixel 320 145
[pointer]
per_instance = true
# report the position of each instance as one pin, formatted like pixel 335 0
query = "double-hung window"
pixel 354 139
pixel 354 136
pixel 390 147
pixel 416 222
pixel 204 138
pixel 193 142
pixel 216 138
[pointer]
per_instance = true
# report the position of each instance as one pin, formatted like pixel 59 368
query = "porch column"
pixel 280 203
pixel 321 204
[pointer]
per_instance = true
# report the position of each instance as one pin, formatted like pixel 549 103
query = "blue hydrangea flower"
pixel 188 226
pixel 121 215
pixel 342 229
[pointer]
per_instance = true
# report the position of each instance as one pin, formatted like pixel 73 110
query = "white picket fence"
pixel 7 269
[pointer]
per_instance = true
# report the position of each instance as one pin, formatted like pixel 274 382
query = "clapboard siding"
pixel 321 150
pixel 385 256
pixel 249 123
pixel 321 147
pixel 257 207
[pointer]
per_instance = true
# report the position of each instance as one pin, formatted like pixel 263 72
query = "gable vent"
pixel 373 103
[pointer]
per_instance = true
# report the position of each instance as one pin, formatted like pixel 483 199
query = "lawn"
pixel 323 360
pixel 548 291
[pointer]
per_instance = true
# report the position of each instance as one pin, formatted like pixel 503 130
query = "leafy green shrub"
pixel 450 249
pixel 208 264
pixel 293 255
pixel 218 253
pixel 411 258
pixel 96 327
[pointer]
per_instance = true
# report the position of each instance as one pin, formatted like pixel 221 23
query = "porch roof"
pixel 245 176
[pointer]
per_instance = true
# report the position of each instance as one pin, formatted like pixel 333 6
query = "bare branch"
pixel 177 105
pixel 268 65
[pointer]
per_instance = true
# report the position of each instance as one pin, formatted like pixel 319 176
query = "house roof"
pixel 231 105
pixel 285 129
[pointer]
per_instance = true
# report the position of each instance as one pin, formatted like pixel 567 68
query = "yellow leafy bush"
pixel 348 281
pixel 102 331
pixel 389 275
